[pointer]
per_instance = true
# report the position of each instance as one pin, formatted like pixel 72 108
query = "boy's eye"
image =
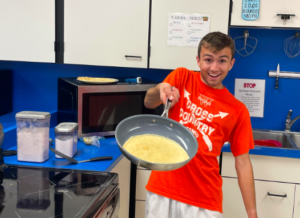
pixel 208 60
pixel 223 61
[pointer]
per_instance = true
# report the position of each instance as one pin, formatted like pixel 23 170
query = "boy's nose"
pixel 214 66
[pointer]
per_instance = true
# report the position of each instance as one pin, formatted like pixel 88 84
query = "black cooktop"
pixel 42 193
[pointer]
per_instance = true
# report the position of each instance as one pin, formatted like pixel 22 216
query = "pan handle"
pixel 167 107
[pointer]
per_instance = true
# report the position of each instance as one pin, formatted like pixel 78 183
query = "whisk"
pixel 291 46
pixel 246 37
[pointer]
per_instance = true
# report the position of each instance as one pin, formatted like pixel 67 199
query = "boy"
pixel 202 104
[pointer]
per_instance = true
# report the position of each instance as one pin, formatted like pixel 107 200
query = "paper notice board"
pixel 187 29
pixel 252 93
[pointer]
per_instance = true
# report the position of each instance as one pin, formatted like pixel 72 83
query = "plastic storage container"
pixel 66 137
pixel 33 136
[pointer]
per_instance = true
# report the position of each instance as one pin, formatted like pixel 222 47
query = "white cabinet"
pixel 297 202
pixel 265 168
pixel 268 14
pixel 142 177
pixel 233 205
pixel 99 32
pixel 171 57
pixel 27 30
pixel 273 199
pixel 123 170
pixel 275 195
pixel 140 209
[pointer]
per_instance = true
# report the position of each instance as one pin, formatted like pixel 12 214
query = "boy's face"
pixel 214 66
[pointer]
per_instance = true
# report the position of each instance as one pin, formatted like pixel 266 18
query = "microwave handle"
pixel 67 91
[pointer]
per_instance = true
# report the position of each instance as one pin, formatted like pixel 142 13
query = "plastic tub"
pixel 66 137
pixel 33 136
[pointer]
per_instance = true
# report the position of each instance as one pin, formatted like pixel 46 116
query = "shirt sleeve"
pixel 241 138
pixel 176 77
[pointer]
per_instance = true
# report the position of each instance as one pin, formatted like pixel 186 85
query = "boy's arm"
pixel 246 182
pixel 159 94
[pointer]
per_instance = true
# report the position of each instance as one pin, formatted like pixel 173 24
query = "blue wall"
pixel 268 53
pixel 35 84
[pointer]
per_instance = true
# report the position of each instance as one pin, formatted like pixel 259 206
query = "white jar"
pixel 66 137
pixel 33 136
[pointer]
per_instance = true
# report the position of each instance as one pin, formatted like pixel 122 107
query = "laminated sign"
pixel 250 9
pixel 187 29
pixel 252 93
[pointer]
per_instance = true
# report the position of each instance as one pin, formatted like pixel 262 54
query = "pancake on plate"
pixel 94 79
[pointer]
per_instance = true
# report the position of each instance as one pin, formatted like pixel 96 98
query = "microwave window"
pixel 102 112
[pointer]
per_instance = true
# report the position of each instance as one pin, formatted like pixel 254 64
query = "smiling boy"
pixel 202 104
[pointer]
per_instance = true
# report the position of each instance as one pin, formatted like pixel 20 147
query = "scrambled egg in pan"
pixel 156 149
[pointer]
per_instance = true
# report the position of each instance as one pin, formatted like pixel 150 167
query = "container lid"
pixel 33 115
pixel 66 127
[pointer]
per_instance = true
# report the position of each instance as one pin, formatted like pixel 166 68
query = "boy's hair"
pixel 216 41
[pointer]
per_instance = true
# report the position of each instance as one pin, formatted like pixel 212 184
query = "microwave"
pixel 98 109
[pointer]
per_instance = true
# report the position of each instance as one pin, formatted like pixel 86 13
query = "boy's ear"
pixel 198 60
pixel 232 63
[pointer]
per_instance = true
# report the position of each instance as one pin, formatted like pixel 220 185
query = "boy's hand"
pixel 168 92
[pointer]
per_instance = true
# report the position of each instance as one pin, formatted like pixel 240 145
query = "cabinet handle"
pixel 130 56
pixel 282 196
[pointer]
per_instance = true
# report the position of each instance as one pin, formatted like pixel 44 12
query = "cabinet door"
pixel 171 57
pixel 265 167
pixel 273 199
pixel 99 32
pixel 268 13
pixel 27 30
pixel 123 170
pixel 142 177
pixel 140 209
pixel 270 205
pixel 297 202
pixel 233 204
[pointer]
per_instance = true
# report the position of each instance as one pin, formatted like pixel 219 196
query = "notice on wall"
pixel 250 10
pixel 187 29
pixel 252 93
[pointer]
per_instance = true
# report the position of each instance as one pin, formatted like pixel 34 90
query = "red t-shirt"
pixel 214 116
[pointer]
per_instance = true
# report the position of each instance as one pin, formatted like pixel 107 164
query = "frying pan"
pixel 158 125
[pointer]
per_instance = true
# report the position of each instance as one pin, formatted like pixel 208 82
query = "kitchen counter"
pixel 269 151
pixel 108 147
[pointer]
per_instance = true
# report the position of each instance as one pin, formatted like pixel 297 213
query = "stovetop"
pixel 42 193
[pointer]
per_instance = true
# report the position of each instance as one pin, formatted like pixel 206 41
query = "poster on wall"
pixel 252 93
pixel 187 29
pixel 250 10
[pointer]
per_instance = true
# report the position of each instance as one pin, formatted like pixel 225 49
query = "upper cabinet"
pixel 163 56
pixel 268 13
pixel 107 33
pixel 27 30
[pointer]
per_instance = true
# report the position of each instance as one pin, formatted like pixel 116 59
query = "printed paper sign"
pixel 187 29
pixel 250 10
pixel 252 93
